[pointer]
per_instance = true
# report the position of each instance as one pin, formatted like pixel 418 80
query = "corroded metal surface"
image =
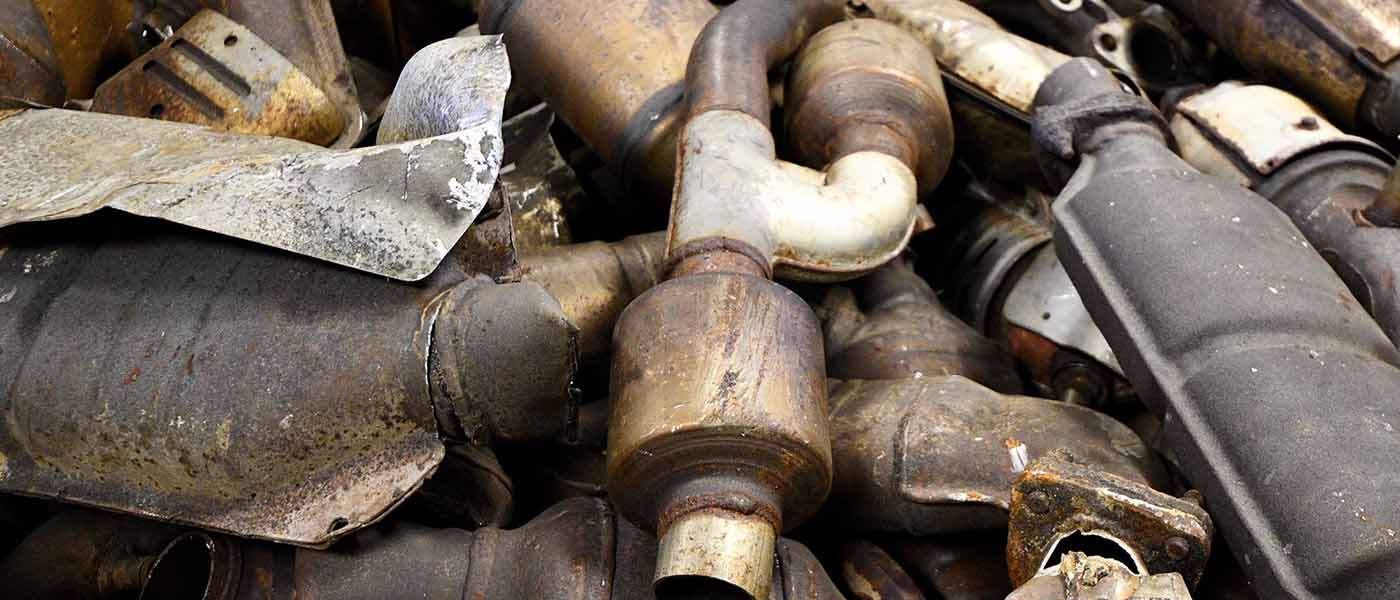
pixel 1334 52
pixel 718 393
pixel 891 326
pixel 393 210
pixel 1262 126
pixel 160 371
pixel 303 31
pixel 1085 577
pixel 84 555
pixel 217 73
pixel 974 48
pixel 612 71
pixel 940 454
pixel 544 193
pixel 594 282
pixel 29 68
pixel 1056 498
pixel 871 574
pixel 579 549
pixel 968 566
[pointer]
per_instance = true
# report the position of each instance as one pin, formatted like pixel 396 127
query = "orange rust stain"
pixel 132 376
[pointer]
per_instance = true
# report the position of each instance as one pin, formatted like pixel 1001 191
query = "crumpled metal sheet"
pixel 391 210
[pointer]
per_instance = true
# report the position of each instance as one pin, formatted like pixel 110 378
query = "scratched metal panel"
pixel 166 372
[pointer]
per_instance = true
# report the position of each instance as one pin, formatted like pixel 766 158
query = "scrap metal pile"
pixel 747 300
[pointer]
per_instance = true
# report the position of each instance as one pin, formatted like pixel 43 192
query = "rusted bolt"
pixel 1178 549
pixel 1307 124
pixel 1194 497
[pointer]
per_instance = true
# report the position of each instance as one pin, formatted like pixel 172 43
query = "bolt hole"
pixel 1307 124
pixel 230 40
pixel 338 524
pixel 157 110
pixel 1108 42
pixel 1045 316
pixel 1093 545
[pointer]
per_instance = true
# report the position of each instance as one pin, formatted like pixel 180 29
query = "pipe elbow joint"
pixel 804 224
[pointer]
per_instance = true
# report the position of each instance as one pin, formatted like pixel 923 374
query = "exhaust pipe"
pixel 718 433
pixel 1274 381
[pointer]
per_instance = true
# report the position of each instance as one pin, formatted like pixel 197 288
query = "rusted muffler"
pixel 189 377
pixel 1329 183
pixel 576 550
pixel 1274 380
pixel 1343 55
pixel 612 71
pixel 718 434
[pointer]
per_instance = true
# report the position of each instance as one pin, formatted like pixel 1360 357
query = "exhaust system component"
pixel 215 72
pixel 576 550
pixel 1329 183
pixel 161 371
pixel 303 31
pixel 1008 282
pixel 1086 577
pixel 1058 498
pixel 940 454
pixel 1139 39
pixel 595 281
pixel 893 327
pixel 392 210
pixel 718 432
pixel 612 71
pixel 1275 383
pixel 868 573
pixel 974 51
pixel 85 555
pixel 1341 54
pixel 991 75
pixel 29 68
pixel 957 567
pixel 884 121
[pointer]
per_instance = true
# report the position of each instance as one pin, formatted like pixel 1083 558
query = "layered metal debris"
pixel 681 299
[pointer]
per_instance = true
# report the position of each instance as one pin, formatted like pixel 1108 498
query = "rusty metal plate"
pixel 173 374
pixel 394 210
pixel 304 31
pixel 217 73
pixel 1264 126
pixel 1055 498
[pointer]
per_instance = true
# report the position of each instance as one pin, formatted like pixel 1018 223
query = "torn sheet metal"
pixel 392 210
